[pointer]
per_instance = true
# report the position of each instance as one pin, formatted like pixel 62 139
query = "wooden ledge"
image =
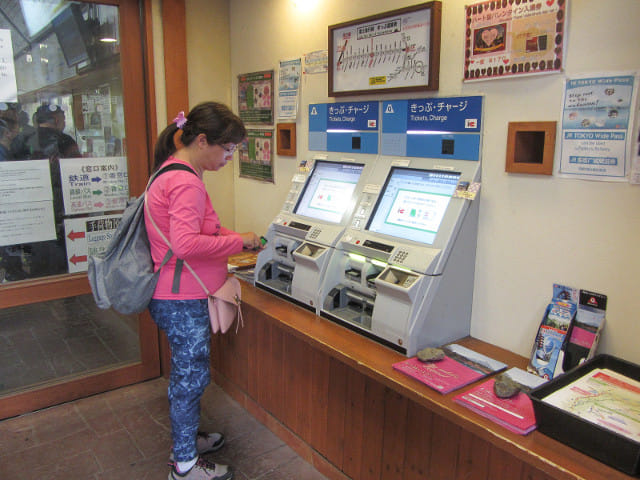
pixel 374 361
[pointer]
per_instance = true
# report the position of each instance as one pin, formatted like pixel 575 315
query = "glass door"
pixel 74 142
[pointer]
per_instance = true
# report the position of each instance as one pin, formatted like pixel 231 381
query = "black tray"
pixel 605 445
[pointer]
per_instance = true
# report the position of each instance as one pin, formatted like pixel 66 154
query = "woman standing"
pixel 179 204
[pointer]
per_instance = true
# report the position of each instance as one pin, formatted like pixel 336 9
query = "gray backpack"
pixel 122 276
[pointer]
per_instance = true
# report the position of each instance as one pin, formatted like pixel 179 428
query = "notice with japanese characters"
pixel 597 120
pixel 88 236
pixel 94 184
pixel 26 202
pixel 506 39
pixel 8 87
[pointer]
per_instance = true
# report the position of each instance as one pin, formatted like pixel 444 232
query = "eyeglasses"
pixel 229 149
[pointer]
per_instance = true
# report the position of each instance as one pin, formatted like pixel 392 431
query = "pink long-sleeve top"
pixel 181 207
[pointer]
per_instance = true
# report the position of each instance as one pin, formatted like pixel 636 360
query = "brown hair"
pixel 219 124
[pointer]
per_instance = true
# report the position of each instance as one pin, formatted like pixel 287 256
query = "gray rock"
pixel 430 354
pixel 505 387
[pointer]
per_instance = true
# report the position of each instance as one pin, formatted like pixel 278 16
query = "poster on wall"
pixel 635 151
pixel 509 39
pixel 316 62
pixel 256 155
pixel 255 97
pixel 289 89
pixel 597 122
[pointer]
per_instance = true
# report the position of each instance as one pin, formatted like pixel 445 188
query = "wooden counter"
pixel 334 397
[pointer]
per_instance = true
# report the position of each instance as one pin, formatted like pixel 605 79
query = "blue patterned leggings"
pixel 186 323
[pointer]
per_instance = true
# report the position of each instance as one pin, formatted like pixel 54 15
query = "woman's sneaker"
pixel 202 470
pixel 205 443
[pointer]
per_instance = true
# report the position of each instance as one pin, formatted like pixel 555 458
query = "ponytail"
pixel 165 146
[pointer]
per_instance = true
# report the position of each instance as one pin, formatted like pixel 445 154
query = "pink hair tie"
pixel 180 120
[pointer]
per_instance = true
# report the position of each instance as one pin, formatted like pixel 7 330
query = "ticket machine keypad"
pixel 400 256
pixel 314 233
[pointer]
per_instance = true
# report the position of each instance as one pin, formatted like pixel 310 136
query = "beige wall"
pixel 534 231
pixel 209 65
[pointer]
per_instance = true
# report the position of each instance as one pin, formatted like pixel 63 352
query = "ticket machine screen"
pixel 413 203
pixel 327 193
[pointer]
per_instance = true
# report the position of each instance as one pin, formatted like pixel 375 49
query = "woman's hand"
pixel 250 241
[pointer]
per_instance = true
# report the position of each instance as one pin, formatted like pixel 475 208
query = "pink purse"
pixel 225 306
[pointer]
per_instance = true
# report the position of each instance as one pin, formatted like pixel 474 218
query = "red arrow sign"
pixel 78 258
pixel 73 235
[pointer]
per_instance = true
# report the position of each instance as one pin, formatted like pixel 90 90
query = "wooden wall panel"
pixel 445 440
pixel 356 411
pixel 503 466
pixel 532 473
pixel 336 412
pixel 394 440
pixel 417 440
pixel 302 388
pixel 319 402
pixel 373 432
pixel 273 386
pixel 174 25
pixel 473 457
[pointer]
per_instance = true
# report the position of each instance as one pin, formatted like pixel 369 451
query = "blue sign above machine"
pixel 349 127
pixel 432 127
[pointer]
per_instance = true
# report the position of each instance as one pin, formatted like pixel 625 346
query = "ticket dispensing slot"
pixel 353 298
pixel 350 305
pixel 277 273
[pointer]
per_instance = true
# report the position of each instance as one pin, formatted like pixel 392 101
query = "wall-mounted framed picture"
pixel 395 51
pixel 531 147
pixel 286 136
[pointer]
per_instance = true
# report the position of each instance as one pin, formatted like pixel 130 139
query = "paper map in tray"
pixel 604 397
pixel 458 368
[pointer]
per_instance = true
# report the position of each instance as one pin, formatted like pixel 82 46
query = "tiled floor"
pixel 125 434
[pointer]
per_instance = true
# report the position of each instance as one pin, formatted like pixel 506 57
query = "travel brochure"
pixel 459 367
pixel 515 413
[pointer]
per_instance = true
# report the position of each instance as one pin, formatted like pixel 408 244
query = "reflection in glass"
pixel 51 340
pixel 69 106
pixel 64 184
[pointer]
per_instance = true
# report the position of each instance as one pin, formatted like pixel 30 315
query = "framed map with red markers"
pixel 507 38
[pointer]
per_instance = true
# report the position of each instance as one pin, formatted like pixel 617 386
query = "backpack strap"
pixel 175 287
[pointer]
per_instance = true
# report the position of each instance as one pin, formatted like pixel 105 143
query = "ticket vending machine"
pixel 300 239
pixel 402 273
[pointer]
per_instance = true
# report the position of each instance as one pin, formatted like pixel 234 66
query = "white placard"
pixel 87 236
pixel 8 86
pixel 26 202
